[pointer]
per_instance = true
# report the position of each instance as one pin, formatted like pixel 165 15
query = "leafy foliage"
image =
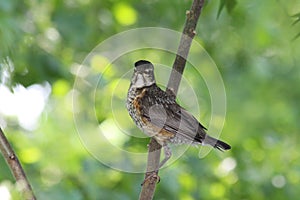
pixel 297 19
pixel 42 43
pixel 228 4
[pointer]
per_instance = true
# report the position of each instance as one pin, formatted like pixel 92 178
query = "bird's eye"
pixel 148 70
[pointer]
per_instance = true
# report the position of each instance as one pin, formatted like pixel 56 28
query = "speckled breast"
pixel 133 106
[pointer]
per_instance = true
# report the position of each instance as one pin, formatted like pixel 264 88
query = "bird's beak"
pixel 139 81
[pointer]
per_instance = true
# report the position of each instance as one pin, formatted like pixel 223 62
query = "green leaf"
pixel 296 36
pixel 230 4
pixel 297 16
pixel 221 6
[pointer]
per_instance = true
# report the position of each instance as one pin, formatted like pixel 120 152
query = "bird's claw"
pixel 151 177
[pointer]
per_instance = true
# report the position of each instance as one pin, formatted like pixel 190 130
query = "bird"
pixel 158 115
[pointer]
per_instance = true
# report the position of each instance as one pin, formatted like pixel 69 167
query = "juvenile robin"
pixel 158 115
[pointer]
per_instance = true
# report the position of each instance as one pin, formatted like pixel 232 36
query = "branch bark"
pixel 154 149
pixel 15 167
pixel 149 184
pixel 188 34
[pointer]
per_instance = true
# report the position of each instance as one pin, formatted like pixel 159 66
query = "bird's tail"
pixel 218 144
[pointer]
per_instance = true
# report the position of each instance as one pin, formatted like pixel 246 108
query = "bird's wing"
pixel 175 119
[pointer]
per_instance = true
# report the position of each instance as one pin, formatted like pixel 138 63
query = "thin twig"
pixel 188 34
pixel 154 150
pixel 15 167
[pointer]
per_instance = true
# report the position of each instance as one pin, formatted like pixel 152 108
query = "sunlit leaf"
pixel 30 155
pixel 60 87
pixel 125 14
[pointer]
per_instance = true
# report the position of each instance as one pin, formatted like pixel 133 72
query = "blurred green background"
pixel 255 47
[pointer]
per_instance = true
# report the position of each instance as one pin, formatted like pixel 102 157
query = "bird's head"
pixel 143 74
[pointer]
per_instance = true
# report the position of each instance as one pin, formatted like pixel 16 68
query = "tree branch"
pixel 15 167
pixel 154 150
pixel 149 184
pixel 188 34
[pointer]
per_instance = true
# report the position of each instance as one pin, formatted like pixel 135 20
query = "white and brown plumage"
pixel 158 115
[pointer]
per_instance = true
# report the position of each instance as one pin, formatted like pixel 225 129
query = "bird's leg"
pixel 168 154
pixel 153 175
